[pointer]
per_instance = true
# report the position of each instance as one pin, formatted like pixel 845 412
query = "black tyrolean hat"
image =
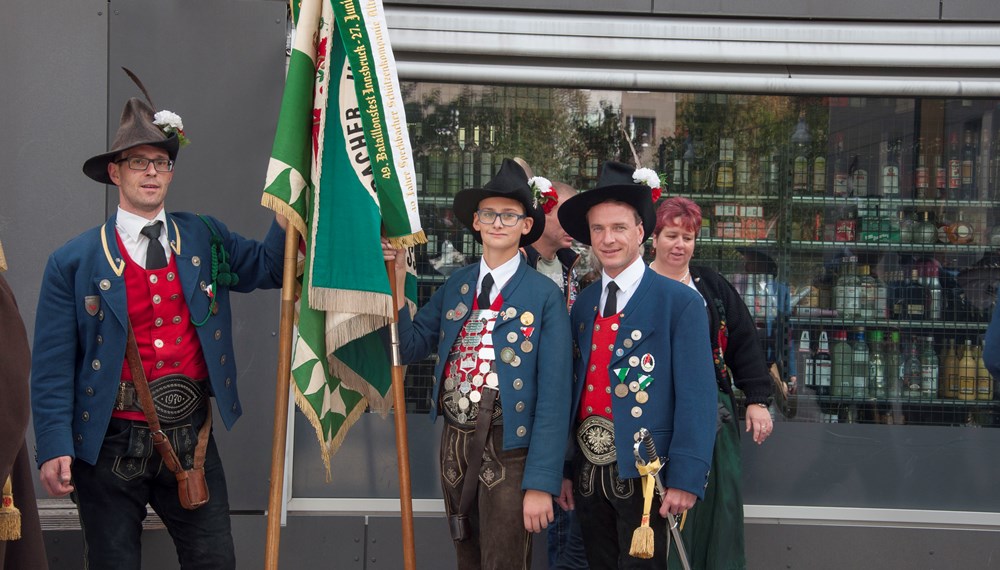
pixel 615 184
pixel 509 182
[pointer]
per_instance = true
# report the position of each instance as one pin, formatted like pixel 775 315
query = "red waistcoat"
pixel 596 400
pixel 167 340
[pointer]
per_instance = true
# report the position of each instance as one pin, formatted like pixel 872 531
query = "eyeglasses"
pixel 140 163
pixel 509 219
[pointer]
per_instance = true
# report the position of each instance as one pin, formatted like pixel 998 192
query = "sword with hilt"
pixel 652 464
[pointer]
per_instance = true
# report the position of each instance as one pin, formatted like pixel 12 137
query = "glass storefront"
pixel 860 230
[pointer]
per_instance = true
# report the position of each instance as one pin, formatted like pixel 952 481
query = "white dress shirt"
pixel 501 275
pixel 627 281
pixel 129 225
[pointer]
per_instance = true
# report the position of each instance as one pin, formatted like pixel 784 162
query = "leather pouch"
pixel 192 489
pixel 460 527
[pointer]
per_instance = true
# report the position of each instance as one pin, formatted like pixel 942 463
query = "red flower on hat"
pixel 545 195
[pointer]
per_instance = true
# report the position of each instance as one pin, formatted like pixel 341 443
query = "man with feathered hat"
pixel 642 360
pixel 163 278
pixel 501 333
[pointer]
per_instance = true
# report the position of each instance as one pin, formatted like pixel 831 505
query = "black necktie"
pixel 611 304
pixel 155 256
pixel 484 292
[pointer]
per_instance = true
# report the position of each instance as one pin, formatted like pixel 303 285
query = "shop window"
pixel 861 232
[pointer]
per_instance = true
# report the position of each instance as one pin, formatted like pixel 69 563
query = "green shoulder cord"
pixel 222 275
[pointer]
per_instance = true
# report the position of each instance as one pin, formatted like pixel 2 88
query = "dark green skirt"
pixel 713 531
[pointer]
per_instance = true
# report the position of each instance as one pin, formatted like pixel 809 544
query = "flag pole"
pixel 281 398
pixel 402 441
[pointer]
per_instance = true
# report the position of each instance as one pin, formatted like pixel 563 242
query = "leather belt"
pixel 175 397
pixel 596 439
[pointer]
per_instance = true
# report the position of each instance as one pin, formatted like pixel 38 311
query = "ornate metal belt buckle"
pixel 125 398
pixel 596 437
pixel 176 397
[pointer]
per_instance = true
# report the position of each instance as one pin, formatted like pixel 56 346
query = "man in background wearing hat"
pixel 501 333
pixel 642 361
pixel 551 255
pixel 168 277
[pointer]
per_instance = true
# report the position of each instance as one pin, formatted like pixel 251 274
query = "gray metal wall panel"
pixel 807 9
pixel 220 66
pixel 317 542
pixel 53 102
pixel 365 466
pixel 618 7
pixel 974 10
pixel 53 113
pixel 807 547
pixel 873 466
pixel 433 545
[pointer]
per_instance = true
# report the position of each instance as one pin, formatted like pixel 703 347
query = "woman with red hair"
pixel 713 532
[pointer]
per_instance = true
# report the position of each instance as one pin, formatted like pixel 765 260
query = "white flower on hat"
pixel 650 178
pixel 543 192
pixel 170 122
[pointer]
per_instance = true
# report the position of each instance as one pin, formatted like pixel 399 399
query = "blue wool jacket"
pixel 666 320
pixel 77 357
pixel 536 394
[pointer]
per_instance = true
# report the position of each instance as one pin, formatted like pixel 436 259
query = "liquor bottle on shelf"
pixel 930 369
pixel 921 176
pixel 872 296
pixel 800 155
pixel 877 383
pixel 910 299
pixel 858 172
pixel 940 171
pixel 959 232
pixel 804 362
pixel 859 365
pixel 967 373
pixel 840 168
pixel 889 180
pixel 949 372
pixel 823 366
pixel 929 278
pixel 724 178
pixel 954 169
pixel 925 232
pixel 818 185
pixel 910 372
pixel 846 229
pixel 968 167
pixel 984 382
pixel 906 225
pixel 840 370
pixel 943 224
pixel 846 291
pixel 890 351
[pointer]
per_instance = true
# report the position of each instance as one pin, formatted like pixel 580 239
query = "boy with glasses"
pixel 501 333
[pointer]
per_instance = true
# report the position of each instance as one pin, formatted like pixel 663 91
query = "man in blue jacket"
pixel 642 360
pixel 168 276
pixel 501 333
